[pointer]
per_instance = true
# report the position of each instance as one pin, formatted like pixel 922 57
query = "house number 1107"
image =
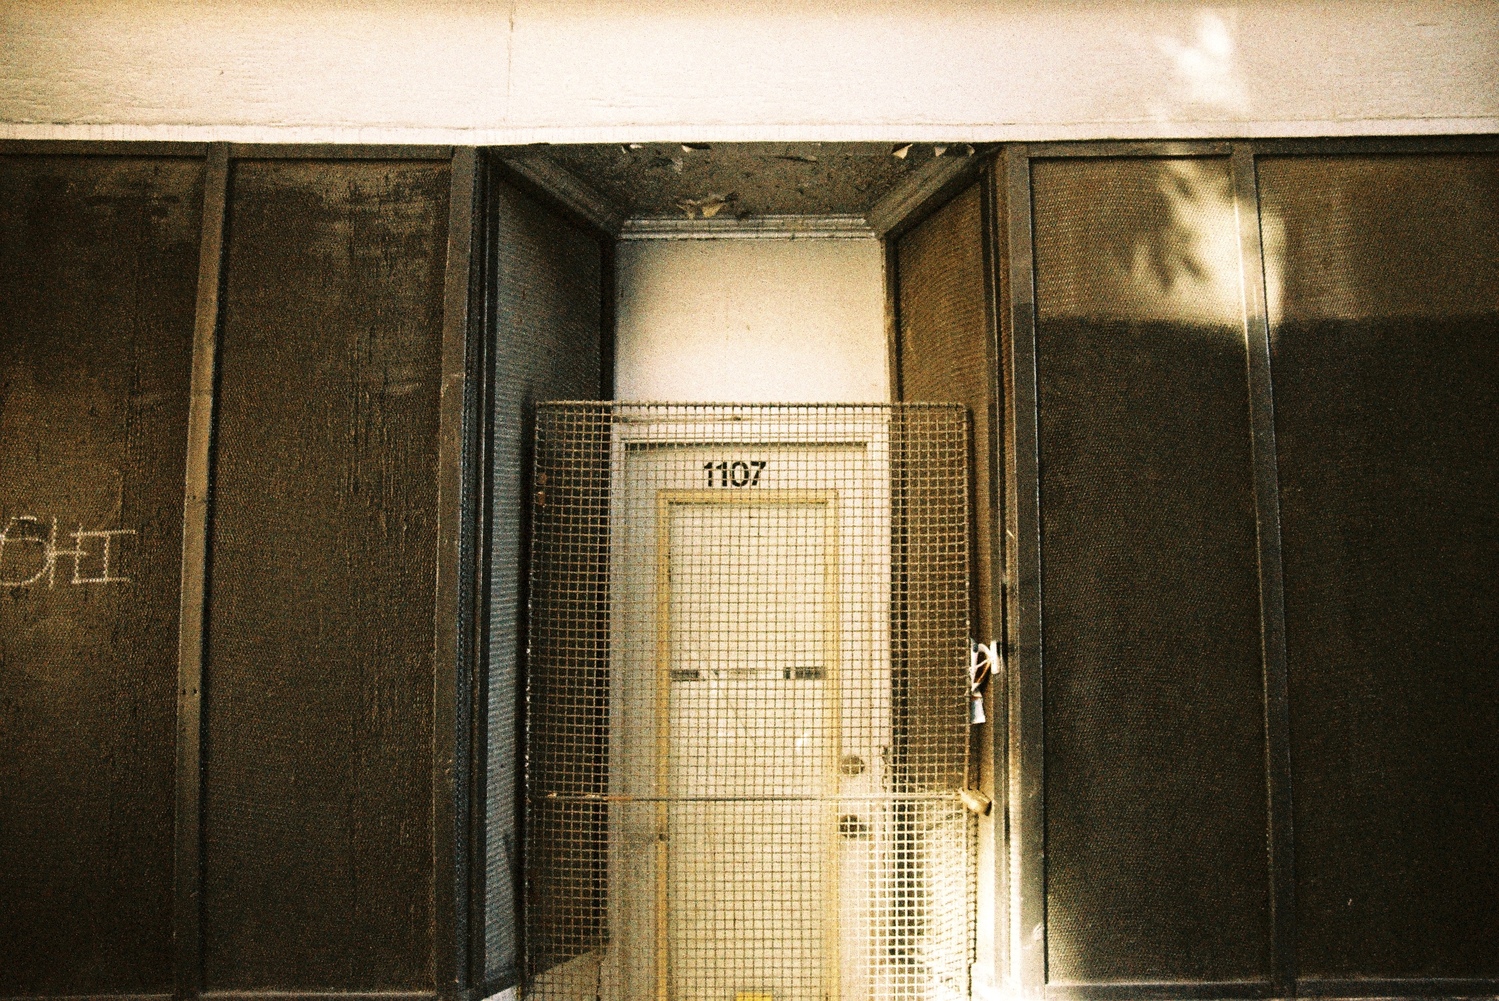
pixel 734 474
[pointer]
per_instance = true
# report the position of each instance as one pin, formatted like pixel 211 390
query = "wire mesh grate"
pixel 747 704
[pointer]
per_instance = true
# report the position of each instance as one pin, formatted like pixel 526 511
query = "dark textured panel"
pixel 945 347
pixel 318 683
pixel 548 287
pixel 1156 864
pixel 98 267
pixel 944 351
pixel 1384 280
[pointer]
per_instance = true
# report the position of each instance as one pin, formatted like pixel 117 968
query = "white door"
pixel 749 753
pixel 750 710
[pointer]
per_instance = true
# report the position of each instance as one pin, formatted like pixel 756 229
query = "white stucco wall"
pixel 508 71
pixel 774 321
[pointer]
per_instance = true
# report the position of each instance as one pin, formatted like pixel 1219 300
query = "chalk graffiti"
pixel 29 553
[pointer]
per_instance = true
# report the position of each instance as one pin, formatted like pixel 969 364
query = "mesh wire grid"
pixel 747 703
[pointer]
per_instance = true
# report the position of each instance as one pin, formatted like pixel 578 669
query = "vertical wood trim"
pixel 894 391
pixel 1282 887
pixel 1023 528
pixel 187 874
pixel 450 670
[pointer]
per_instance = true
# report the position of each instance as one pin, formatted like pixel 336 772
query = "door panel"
pixel 734 600
pixel 319 675
pixel 750 748
pixel 1384 314
pixel 1156 868
pixel 98 269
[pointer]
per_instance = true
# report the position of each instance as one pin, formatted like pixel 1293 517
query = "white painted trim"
pixel 766 227
pixel 982 983
pixel 953 133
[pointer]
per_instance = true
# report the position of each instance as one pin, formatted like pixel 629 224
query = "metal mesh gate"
pixel 746 704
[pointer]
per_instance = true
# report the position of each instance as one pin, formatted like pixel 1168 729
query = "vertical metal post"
pixel 449 656
pixel 996 259
pixel 188 842
pixel 1272 604
pixel 1023 528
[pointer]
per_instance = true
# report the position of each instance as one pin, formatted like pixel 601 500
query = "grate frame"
pixel 746 703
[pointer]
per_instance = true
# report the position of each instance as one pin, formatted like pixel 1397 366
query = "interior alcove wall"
pixel 750 320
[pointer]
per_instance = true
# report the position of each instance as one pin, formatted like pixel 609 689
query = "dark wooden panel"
pixel 1384 305
pixel 318 715
pixel 1156 864
pixel 548 319
pixel 98 266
